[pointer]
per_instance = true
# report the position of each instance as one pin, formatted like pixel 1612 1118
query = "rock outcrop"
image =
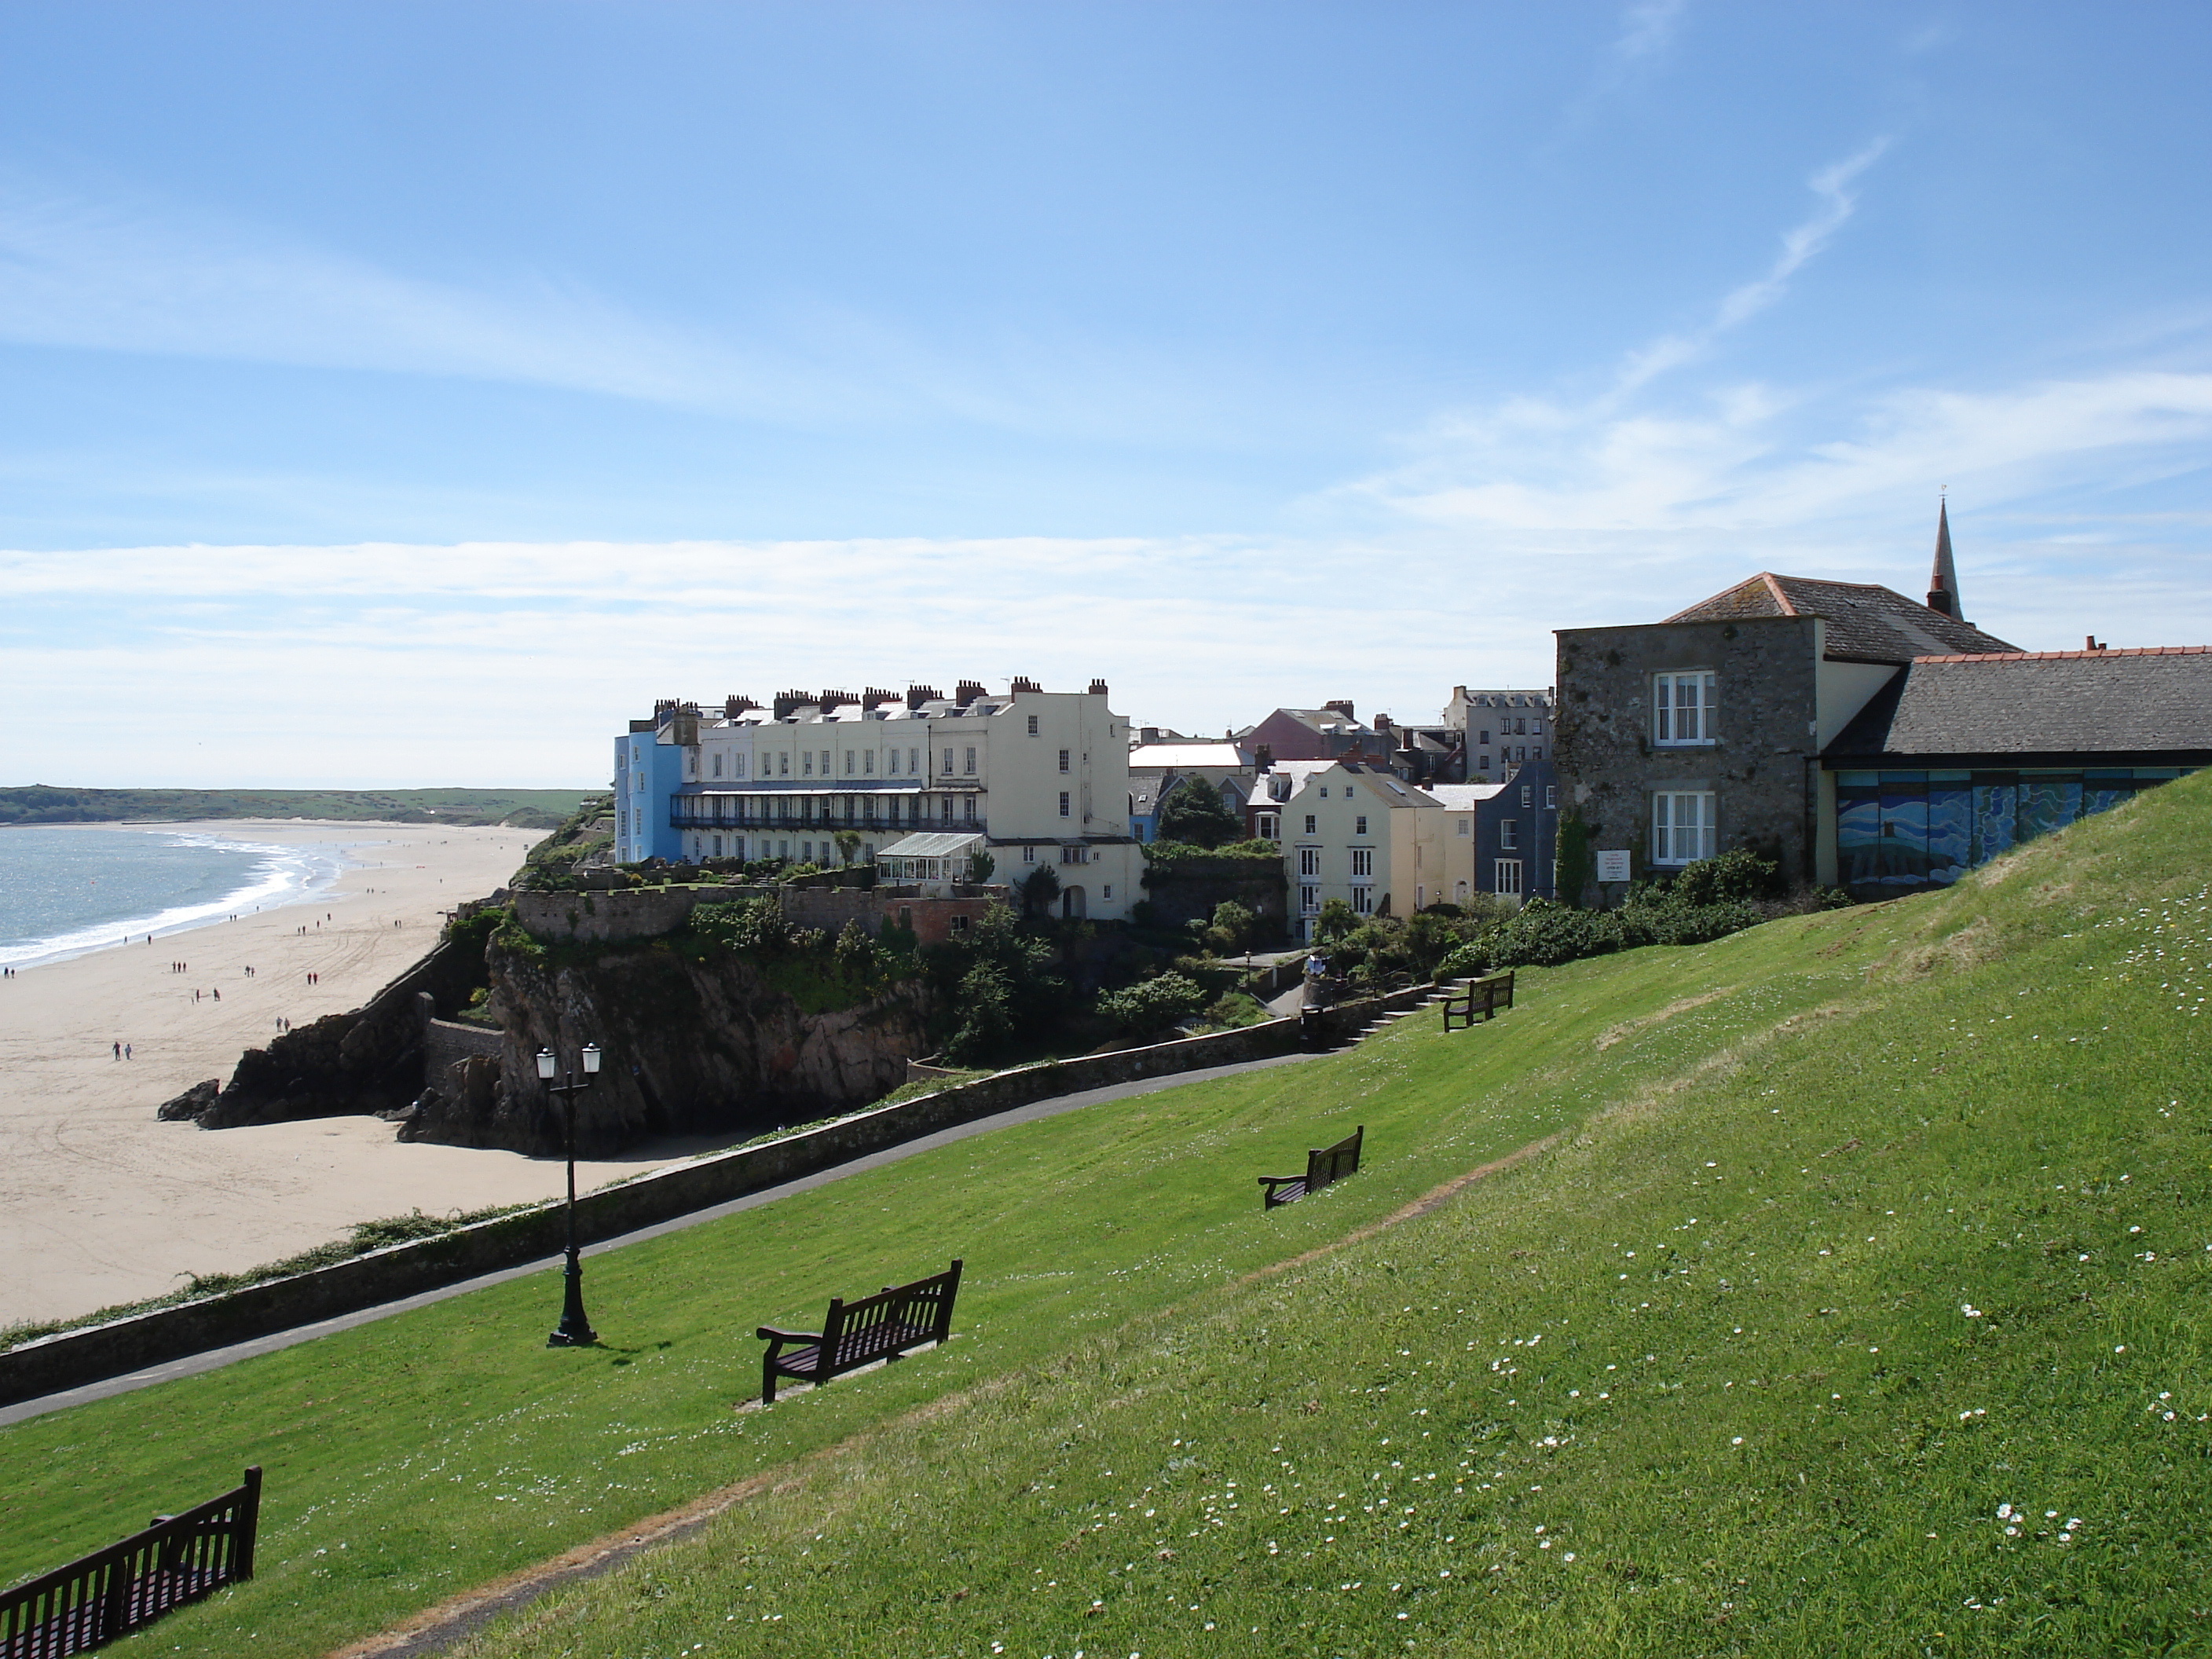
pixel 693 1044
pixel 366 1061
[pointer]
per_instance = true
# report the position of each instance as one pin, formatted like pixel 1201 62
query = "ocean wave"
pixel 279 876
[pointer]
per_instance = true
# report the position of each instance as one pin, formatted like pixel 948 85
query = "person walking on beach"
pixel 217 995
pixel 126 1051
pixel 119 1050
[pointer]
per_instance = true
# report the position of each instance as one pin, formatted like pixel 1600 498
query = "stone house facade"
pixel 1677 741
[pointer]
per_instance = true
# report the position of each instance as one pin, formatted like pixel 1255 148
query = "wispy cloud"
pixel 128 277
pixel 1800 243
pixel 1647 29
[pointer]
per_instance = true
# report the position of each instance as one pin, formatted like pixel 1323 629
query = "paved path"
pixel 216 1357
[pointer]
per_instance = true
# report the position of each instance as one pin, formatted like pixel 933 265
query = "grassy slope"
pixel 1111 1311
pixel 531 809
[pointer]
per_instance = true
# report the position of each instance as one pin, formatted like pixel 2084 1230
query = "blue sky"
pixel 410 393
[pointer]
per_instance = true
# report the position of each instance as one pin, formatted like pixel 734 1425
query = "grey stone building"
pixel 1676 740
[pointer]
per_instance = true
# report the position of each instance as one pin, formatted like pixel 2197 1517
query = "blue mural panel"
pixel 1996 815
pixel 1950 831
pixel 1902 860
pixel 1858 828
pixel 2047 804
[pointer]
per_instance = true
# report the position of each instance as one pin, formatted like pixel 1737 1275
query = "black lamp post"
pixel 574 1330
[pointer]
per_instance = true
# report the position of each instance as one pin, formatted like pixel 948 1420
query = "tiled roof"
pixel 2017 704
pixel 1867 623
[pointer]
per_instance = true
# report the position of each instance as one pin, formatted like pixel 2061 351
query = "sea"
pixel 67 891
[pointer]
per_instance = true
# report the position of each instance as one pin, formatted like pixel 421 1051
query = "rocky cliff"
pixel 368 1059
pixel 698 1039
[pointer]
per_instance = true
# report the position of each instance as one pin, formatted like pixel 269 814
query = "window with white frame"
pixel 1064 813
pixel 806 764
pixel 1509 833
pixel 1309 860
pixel 1268 825
pixel 1309 824
pixel 971 763
pixel 1363 901
pixel 1682 826
pixel 1359 825
pixel 947 767
pixel 1509 878
pixel 849 758
pixel 1684 708
pixel 1528 795
pixel 718 763
pixel 1063 760
pixel 1309 901
pixel 1466 826
pixel 1362 860
pixel 1552 795
pixel 1033 725
pixel 1075 855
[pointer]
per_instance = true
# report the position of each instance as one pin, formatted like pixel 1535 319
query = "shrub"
pixel 1234 923
pixel 1153 1004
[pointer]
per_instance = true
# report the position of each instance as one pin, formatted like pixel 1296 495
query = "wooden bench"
pixel 1329 1163
pixel 1479 999
pixel 857 1334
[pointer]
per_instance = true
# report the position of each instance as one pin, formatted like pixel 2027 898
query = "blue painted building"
pixel 649 761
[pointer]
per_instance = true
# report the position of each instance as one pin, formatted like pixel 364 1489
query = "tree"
pixel 1038 892
pixel 980 864
pixel 1336 919
pixel 1194 812
pixel 848 845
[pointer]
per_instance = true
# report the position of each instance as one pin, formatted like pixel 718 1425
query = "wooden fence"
pixel 111 1592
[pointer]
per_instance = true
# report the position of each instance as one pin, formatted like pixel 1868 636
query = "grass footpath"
pixel 1824 1330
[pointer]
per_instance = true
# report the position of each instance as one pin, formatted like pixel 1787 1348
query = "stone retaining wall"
pixel 75 1358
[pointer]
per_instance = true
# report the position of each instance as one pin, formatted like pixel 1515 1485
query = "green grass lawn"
pixel 1827 1282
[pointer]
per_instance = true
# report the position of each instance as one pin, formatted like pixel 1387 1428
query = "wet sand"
pixel 100 1203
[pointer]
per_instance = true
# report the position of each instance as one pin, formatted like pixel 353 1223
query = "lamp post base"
pixel 574 1330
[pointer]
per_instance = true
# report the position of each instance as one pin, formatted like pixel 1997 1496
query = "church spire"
pixel 1943 580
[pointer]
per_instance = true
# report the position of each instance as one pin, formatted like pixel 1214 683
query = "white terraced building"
pixel 1036 778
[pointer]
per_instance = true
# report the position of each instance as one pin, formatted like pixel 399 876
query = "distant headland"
pixel 523 809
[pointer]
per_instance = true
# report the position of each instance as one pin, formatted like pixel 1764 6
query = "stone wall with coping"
pixel 74 1359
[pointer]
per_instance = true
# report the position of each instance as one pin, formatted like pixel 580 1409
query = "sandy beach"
pixel 100 1203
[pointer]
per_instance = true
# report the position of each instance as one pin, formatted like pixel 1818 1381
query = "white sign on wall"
pixel 1613 864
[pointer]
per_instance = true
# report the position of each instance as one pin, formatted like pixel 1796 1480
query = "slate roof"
pixel 1867 623
pixel 2125 706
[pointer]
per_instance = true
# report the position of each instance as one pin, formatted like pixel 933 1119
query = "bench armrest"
pixel 770 1334
pixel 1280 1181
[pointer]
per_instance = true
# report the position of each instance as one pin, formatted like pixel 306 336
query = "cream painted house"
pixel 1042 778
pixel 1355 832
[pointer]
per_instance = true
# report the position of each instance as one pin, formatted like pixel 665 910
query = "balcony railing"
pixel 690 813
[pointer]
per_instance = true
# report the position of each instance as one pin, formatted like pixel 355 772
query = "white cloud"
pixel 1832 186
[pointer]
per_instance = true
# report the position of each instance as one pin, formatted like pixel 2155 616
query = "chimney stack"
pixel 875 696
pixel 789 703
pixel 966 692
pixel 1097 688
pixel 918 695
pixel 1342 706
pixel 1024 683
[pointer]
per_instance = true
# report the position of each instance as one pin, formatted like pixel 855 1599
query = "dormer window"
pixel 1684 709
